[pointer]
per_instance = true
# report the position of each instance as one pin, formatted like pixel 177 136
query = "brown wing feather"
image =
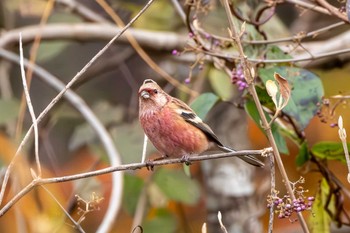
pixel 190 117
pixel 187 113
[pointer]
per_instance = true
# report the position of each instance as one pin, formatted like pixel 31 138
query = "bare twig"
pixel 333 10
pixel 142 53
pixel 310 6
pixel 33 55
pixel 132 166
pixel 169 40
pixel 59 96
pixel 342 136
pixel 272 190
pixel 296 59
pixel 90 117
pixel 296 37
pixel 93 32
pixel 144 149
pixel 77 226
pixel 222 226
pixel 30 108
pixel 248 73
pixel 82 10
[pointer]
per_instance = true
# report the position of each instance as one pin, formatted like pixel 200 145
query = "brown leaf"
pixel 285 89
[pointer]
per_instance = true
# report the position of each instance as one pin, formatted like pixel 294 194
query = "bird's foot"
pixel 186 159
pixel 150 165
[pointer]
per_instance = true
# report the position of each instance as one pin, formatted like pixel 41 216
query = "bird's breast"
pixel 171 134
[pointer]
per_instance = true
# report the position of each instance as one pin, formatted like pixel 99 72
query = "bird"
pixel 174 128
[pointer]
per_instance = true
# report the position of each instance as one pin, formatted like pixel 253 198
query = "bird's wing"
pixel 187 113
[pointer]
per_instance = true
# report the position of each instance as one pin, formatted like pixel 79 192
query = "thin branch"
pixel 297 37
pixel 32 58
pixel 90 117
pixel 92 32
pixel 59 96
pixel 77 226
pixel 82 10
pixel 247 68
pixel 310 6
pixel 168 41
pixel 142 53
pixel 132 166
pixel 300 58
pixel 272 190
pixel 179 10
pixel 333 10
pixel 30 108
pixel 144 149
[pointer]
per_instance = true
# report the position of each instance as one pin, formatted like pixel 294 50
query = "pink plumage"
pixel 173 128
pixel 171 135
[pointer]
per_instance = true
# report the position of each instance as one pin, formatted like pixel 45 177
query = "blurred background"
pixel 62 36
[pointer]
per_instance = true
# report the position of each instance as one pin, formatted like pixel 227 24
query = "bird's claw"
pixel 186 159
pixel 149 165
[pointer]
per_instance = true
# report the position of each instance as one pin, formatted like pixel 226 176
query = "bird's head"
pixel 151 96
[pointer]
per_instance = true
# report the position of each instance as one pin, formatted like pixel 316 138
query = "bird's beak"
pixel 145 94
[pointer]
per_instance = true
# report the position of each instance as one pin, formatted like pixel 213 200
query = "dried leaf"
pixel 285 89
pixel 272 90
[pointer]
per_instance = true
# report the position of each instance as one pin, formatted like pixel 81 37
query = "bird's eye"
pixel 155 91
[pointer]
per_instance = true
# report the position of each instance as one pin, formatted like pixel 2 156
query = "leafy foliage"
pixel 177 186
pixel 251 109
pixel 220 83
pixel 320 221
pixel 203 103
pixel 303 155
pixel 307 92
pixel 329 151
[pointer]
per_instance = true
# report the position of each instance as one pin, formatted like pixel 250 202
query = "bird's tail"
pixel 246 158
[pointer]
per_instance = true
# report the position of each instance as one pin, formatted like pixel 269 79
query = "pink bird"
pixel 174 128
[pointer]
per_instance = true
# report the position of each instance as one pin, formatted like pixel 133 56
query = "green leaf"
pixel 320 220
pixel 303 155
pixel 8 110
pixel 163 222
pixel 329 150
pixel 221 83
pixel 307 92
pixel 132 189
pixel 177 186
pixel 203 103
pixel 251 109
pixel 264 97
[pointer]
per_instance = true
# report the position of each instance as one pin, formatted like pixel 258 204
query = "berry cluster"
pixel 285 206
pixel 237 78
